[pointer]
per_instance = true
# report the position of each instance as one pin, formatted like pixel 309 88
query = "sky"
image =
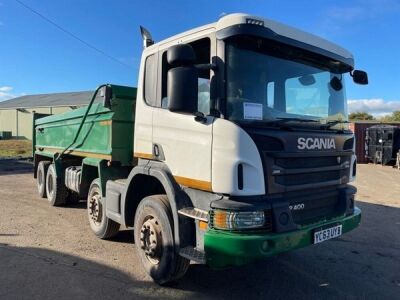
pixel 36 57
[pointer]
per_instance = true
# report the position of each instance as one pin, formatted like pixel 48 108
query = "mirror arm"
pixel 200 117
pixel 205 67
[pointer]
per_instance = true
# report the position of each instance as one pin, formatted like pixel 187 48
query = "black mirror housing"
pixel 307 80
pixel 182 79
pixel 360 77
pixel 181 55
pixel 182 89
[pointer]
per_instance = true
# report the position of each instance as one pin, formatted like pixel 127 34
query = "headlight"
pixel 235 220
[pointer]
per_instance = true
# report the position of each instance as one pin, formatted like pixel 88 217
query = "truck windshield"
pixel 270 82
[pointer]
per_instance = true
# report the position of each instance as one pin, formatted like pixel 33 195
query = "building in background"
pixel 17 115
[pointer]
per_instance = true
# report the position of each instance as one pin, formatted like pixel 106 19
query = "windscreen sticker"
pixel 252 111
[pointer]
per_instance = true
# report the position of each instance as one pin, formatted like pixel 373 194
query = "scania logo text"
pixel 315 143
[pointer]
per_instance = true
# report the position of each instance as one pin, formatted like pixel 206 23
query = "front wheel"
pixel 102 226
pixel 154 240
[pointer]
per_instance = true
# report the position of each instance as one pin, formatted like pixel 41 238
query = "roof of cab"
pixel 285 31
pixel 279 28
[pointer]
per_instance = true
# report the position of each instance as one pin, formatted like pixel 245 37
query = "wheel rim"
pixel 95 209
pixel 151 240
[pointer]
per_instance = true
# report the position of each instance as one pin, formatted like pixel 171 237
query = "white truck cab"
pixel 240 87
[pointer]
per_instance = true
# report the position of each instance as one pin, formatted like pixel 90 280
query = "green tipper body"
pixel 106 134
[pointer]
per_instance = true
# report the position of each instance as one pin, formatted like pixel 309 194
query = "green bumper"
pixel 232 249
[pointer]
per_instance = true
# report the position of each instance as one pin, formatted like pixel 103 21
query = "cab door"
pixel 185 144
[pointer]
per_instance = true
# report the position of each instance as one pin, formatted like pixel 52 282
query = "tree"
pixel 386 119
pixel 396 116
pixel 361 116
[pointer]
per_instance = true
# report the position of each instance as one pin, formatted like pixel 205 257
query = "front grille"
pixel 307 162
pixel 297 179
pixel 305 170
pixel 310 210
pixel 296 175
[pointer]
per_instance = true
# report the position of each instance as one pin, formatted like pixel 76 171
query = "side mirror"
pixel 182 79
pixel 359 77
pixel 307 80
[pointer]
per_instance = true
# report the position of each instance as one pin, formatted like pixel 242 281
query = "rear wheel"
pixel 102 226
pixel 41 173
pixel 154 240
pixel 57 192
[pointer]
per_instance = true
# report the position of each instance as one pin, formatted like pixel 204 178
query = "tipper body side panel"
pixel 107 132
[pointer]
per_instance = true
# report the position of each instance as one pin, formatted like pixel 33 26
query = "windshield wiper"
pixel 281 122
pixel 330 124
pixel 284 120
pixel 277 122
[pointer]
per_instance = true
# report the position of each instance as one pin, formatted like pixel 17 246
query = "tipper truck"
pixel 233 147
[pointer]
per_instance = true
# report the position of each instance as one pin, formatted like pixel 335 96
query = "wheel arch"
pixel 157 179
pixel 37 159
pixel 88 175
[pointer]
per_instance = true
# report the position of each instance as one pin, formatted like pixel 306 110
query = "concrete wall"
pixel 10 117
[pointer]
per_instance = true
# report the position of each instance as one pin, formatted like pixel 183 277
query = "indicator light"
pixel 255 22
pixel 234 220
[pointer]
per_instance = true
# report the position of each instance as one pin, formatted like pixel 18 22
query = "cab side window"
pixel 202 48
pixel 150 79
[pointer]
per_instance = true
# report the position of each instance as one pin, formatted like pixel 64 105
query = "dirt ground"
pixel 51 253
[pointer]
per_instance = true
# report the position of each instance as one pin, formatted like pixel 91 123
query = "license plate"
pixel 327 234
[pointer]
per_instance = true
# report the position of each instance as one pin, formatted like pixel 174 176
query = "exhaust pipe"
pixel 146 36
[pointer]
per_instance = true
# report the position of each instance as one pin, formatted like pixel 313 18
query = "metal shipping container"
pixel 383 143
pixel 359 128
pixel 5 135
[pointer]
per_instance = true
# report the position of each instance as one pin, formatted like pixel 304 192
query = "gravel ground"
pixel 49 253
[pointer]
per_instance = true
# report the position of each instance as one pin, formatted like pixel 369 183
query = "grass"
pixel 13 148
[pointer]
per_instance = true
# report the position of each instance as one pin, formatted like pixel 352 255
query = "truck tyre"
pixel 57 192
pixel 102 226
pixel 41 173
pixel 154 240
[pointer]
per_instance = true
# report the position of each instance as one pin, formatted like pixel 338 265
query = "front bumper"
pixel 232 249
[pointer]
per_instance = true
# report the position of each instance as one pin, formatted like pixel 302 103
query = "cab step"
pixel 194 213
pixel 193 254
